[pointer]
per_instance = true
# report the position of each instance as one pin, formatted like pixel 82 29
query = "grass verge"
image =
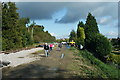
pixel 87 66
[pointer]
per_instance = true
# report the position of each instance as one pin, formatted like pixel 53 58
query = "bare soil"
pixel 52 66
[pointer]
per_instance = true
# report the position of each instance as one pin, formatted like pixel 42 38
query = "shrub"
pixel 100 46
pixel 114 58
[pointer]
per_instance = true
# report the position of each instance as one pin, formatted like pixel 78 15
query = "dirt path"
pixel 20 57
pixel 72 66
pixel 47 67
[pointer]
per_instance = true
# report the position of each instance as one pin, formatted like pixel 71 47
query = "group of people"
pixel 49 47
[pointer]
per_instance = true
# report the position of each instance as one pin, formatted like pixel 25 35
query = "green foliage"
pixel 62 40
pixel 91 29
pixel 116 43
pixel 108 71
pixel 72 48
pixel 40 35
pixel 100 46
pixel 114 58
pixel 81 24
pixel 91 23
pixel 14 31
pixel 80 35
pixel 26 35
pixel 94 41
pixel 10 27
pixel 72 36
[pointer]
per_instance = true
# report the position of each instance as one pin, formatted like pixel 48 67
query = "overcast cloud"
pixel 105 12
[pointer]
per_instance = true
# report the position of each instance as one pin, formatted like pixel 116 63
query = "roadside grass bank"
pixel 114 59
pixel 85 65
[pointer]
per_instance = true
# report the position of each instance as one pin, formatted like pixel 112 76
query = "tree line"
pixel 15 33
pixel 89 36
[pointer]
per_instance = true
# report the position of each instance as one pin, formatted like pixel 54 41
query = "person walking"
pixel 51 45
pixel 60 46
pixel 46 48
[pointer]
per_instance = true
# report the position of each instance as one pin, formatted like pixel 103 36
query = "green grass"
pixel 81 67
pixel 106 70
pixel 99 69
pixel 114 58
pixel 72 48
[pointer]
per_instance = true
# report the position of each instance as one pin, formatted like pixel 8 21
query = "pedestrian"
pixel 46 48
pixel 60 46
pixel 51 45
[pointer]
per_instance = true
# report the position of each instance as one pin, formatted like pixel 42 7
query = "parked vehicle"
pixel 39 45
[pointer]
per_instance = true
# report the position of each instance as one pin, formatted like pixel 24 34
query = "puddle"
pixel 56 69
pixel 53 69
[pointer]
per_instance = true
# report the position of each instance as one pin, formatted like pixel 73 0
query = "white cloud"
pixel 111 34
pixel 105 20
pixel 53 34
pixel 62 36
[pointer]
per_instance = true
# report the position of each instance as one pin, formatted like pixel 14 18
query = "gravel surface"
pixel 20 57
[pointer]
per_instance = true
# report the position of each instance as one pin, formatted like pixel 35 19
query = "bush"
pixel 79 41
pixel 114 58
pixel 100 46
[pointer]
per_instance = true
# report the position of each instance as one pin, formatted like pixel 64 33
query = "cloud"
pixel 74 10
pixel 37 10
pixel 111 34
pixel 62 36
pixel 77 11
pixel 53 34
pixel 105 20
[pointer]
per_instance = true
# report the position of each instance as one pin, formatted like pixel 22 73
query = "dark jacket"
pixel 60 45
pixel 46 47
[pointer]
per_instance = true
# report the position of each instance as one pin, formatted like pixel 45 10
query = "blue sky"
pixel 59 18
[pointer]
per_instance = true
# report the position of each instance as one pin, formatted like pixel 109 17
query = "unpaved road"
pixel 47 67
pixel 20 57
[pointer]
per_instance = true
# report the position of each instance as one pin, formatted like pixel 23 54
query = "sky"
pixel 59 18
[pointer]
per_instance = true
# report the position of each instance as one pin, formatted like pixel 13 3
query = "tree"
pixel 40 35
pixel 100 46
pixel 15 34
pixel 91 29
pixel 81 24
pixel 72 36
pixel 26 38
pixel 94 41
pixel 10 27
pixel 80 36
pixel 91 23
